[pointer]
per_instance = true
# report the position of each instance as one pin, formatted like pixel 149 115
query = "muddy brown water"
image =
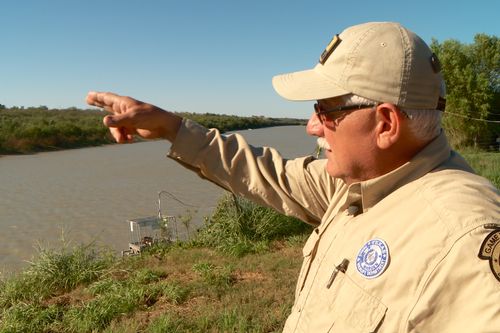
pixel 86 195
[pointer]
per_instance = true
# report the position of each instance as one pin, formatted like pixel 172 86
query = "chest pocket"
pixel 350 308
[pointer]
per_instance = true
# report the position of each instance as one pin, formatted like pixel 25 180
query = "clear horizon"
pixel 195 56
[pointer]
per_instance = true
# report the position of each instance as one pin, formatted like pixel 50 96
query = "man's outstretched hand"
pixel 131 117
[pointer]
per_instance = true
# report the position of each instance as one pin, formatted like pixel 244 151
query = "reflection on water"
pixel 88 194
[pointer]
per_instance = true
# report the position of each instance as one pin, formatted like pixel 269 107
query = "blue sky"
pixel 199 56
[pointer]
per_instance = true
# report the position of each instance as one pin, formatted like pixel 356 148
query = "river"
pixel 87 195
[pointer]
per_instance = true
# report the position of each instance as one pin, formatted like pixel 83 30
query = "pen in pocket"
pixel 339 268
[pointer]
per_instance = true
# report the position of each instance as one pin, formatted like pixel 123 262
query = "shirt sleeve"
pixel 299 187
pixel 462 294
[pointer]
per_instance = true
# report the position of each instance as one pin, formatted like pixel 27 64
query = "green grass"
pixel 55 272
pixel 487 164
pixel 174 292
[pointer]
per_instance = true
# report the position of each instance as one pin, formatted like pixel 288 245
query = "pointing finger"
pixel 109 101
pixel 92 99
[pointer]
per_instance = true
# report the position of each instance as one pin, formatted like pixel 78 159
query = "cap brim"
pixel 306 85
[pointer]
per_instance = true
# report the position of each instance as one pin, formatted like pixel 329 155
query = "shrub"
pixel 238 226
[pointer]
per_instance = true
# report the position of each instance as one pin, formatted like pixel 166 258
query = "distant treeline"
pixel 472 75
pixel 35 129
pixel 232 123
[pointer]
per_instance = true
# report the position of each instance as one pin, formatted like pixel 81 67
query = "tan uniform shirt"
pixel 410 238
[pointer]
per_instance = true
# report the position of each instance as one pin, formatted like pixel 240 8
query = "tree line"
pixel 472 75
pixel 34 129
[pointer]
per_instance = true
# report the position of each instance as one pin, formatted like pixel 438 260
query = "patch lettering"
pixel 490 250
pixel 373 258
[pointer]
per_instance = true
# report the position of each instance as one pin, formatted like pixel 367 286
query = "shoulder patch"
pixel 490 250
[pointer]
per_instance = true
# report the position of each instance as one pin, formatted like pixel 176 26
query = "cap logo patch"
pixel 490 250
pixel 373 258
pixel 329 49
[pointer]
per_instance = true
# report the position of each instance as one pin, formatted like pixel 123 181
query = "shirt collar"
pixel 373 190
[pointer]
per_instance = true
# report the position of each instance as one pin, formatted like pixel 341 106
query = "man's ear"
pixel 388 125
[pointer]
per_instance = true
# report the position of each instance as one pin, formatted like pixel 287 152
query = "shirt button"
pixel 352 210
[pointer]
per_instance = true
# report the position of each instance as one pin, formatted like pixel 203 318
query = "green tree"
pixel 472 75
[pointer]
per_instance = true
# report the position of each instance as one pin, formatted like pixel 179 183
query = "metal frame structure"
pixel 147 231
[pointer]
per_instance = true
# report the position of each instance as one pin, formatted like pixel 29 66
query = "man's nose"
pixel 314 126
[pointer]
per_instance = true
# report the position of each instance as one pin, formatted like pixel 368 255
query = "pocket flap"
pixel 356 307
pixel 310 244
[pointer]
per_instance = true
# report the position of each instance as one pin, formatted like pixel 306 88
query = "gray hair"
pixel 424 124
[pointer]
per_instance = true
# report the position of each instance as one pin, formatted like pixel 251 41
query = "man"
pixel 407 237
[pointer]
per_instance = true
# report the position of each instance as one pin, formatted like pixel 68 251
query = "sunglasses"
pixel 321 113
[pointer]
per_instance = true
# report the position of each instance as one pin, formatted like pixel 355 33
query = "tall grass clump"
pixel 98 313
pixel 239 226
pixel 55 271
pixel 29 318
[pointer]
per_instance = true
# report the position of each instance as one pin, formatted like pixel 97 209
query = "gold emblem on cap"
pixel 490 250
pixel 329 49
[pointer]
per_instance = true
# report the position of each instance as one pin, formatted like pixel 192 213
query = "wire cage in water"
pixel 146 231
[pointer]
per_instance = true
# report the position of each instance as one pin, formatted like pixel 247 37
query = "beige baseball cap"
pixel 381 61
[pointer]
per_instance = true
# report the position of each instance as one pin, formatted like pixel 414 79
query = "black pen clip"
pixel 339 268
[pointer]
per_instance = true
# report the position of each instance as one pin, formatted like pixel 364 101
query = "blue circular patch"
pixel 373 258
